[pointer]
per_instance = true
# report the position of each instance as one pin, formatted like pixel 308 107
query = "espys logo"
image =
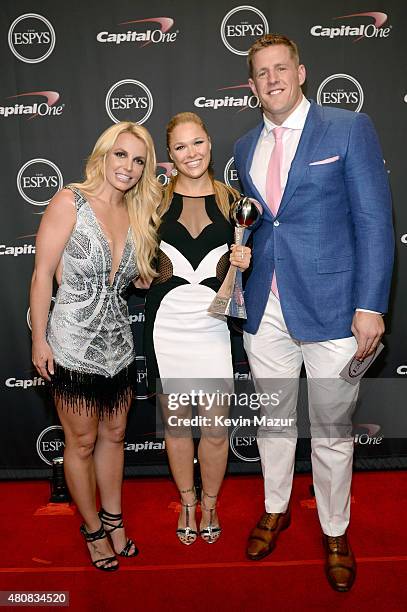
pixel 129 100
pixel 38 180
pixel 341 90
pixel 370 30
pixel 403 239
pixel 241 27
pixel 143 32
pixel 230 174
pixel 141 389
pixel 31 38
pixel 244 447
pixel 244 102
pixel 163 172
pixel 51 443
pixel 34 108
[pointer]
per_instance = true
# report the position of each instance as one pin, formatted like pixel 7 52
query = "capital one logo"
pixel 148 445
pixel 136 311
pixel 244 445
pixel 143 32
pixel 341 90
pixel 402 370
pixel 240 101
pixel 51 443
pixel 129 100
pixel 367 434
pixel 32 107
pixel 24 383
pixel 369 30
pixel 17 250
pixel 38 180
pixel 241 27
pixel 230 174
pixel 31 38
pixel 163 172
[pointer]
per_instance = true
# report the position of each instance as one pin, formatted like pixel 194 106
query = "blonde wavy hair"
pixel 142 200
pixel 223 193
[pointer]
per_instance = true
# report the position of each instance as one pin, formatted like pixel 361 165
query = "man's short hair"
pixel 267 41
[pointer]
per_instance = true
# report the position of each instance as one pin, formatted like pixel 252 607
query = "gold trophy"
pixel 246 213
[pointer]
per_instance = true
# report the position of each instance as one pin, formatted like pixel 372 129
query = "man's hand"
pixel 368 328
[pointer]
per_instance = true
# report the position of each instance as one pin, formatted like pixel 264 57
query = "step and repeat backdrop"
pixel 69 70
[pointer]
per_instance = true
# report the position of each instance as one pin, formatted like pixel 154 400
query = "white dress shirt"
pixel 265 145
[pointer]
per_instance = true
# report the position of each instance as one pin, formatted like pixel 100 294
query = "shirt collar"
pixel 295 121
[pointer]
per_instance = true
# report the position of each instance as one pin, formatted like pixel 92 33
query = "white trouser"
pixel 272 354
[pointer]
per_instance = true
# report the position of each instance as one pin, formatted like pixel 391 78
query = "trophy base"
pixel 227 307
pixel 219 305
pixel 237 311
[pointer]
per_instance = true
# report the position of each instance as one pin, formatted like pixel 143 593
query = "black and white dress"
pixel 182 339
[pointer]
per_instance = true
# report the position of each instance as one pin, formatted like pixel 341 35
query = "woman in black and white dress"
pixel 183 342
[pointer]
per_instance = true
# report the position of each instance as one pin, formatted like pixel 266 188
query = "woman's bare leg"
pixel 109 464
pixel 80 435
pixel 180 451
pixel 213 455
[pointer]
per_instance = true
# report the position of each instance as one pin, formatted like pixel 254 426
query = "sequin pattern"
pixel 88 329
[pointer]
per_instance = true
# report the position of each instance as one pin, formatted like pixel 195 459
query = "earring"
pixel 174 172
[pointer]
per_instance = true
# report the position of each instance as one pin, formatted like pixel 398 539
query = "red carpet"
pixel 46 553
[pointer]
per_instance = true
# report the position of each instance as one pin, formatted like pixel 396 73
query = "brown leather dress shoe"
pixel 263 538
pixel 340 567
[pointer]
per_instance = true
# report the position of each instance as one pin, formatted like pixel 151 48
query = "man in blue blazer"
pixel 322 264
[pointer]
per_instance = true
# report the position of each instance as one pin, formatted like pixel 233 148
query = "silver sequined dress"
pixel 89 330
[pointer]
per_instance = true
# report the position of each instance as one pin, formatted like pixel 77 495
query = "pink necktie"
pixel 274 190
pixel 273 180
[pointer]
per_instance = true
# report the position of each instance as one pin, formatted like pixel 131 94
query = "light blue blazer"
pixel 331 242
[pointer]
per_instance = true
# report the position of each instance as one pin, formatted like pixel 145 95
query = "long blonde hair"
pixel 223 192
pixel 141 200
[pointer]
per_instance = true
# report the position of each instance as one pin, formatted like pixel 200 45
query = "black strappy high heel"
pixel 93 536
pixel 107 518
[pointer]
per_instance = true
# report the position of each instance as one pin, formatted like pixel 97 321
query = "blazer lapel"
pixel 249 159
pixel 314 130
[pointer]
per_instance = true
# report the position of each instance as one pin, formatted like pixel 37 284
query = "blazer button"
pixel 276 223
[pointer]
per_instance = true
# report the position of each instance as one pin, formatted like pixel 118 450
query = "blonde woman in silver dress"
pixel 95 237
